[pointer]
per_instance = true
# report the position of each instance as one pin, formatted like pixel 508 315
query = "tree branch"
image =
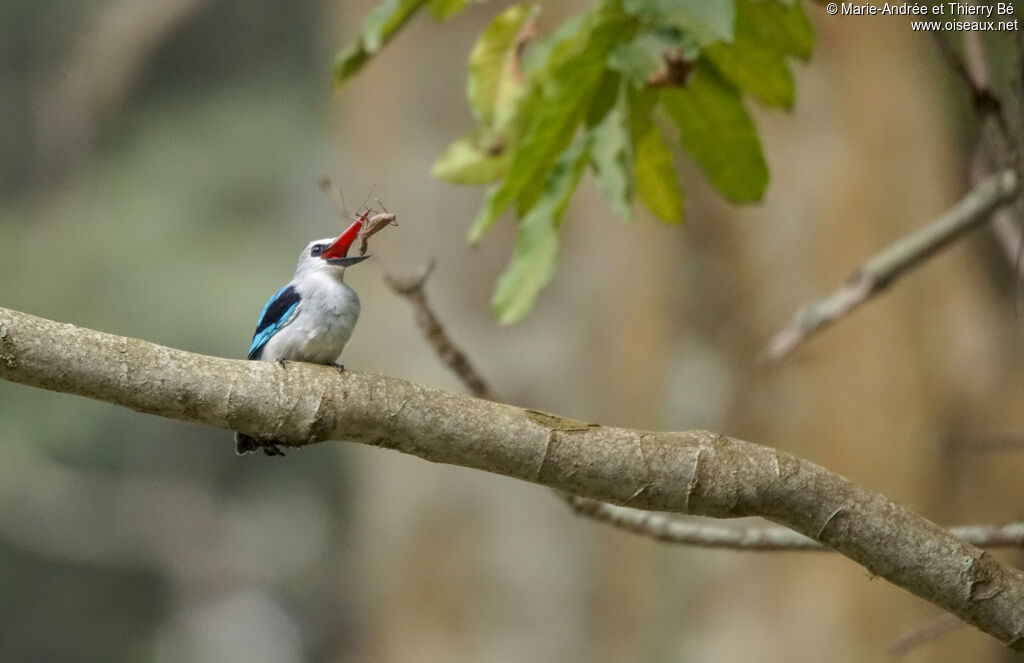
pixel 671 529
pixel 996 147
pixel 881 270
pixel 660 526
pixel 693 472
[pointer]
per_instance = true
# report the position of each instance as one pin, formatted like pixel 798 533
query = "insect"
pixel 368 225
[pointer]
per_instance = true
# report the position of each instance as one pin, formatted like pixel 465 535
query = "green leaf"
pixel 707 21
pixel 783 26
pixel 606 96
pixel 386 19
pixel 566 86
pixel 477 157
pixel 442 10
pixel 657 182
pixel 755 61
pixel 380 25
pixel 538 53
pixel 753 64
pixel 536 254
pixel 715 129
pixel 492 81
pixel 640 58
pixel 611 155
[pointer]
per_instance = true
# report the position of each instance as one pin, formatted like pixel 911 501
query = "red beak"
pixel 340 247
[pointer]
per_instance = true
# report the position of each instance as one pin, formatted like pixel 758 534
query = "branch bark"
pixel 694 472
pixel 881 270
pixel 671 529
pixel 660 526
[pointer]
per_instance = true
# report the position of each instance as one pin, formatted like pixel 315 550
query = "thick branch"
pixel 693 472
pixel 881 270
pixel 661 526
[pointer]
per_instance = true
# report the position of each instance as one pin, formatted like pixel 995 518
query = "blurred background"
pixel 159 177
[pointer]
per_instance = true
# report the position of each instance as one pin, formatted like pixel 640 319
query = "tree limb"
pixel 694 472
pixel 671 529
pixel 881 270
pixel 660 526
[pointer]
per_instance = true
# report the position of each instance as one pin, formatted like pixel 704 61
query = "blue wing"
pixel 276 314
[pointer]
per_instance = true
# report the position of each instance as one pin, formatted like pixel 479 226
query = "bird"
pixel 311 319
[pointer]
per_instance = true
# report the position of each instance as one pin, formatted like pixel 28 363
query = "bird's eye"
pixel 317 250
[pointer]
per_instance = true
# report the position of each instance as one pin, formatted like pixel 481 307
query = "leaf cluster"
pixel 615 89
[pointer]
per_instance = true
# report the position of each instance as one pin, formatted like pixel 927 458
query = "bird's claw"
pixel 245 444
pixel 340 367
pixel 282 361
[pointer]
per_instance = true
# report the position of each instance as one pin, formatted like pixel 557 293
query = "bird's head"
pixel 332 252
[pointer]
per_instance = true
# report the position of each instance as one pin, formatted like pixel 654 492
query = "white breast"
pixel 323 325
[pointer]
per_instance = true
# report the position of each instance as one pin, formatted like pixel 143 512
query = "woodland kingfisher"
pixel 310 319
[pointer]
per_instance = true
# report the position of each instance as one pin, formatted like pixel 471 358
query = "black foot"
pixel 246 444
pixel 282 361
pixel 340 367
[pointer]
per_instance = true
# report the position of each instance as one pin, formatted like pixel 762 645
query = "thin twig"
pixel 333 194
pixel 672 529
pixel 452 357
pixel 995 148
pixel 881 270
pixel 975 79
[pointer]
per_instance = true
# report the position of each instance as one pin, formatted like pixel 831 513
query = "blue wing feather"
pixel 279 310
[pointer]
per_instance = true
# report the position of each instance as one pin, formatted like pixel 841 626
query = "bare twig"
pixel 881 270
pixel 673 529
pixel 974 77
pixel 691 472
pixel 996 148
pixel 452 357
pixel 1006 226
pixel 333 194
pixel 988 199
